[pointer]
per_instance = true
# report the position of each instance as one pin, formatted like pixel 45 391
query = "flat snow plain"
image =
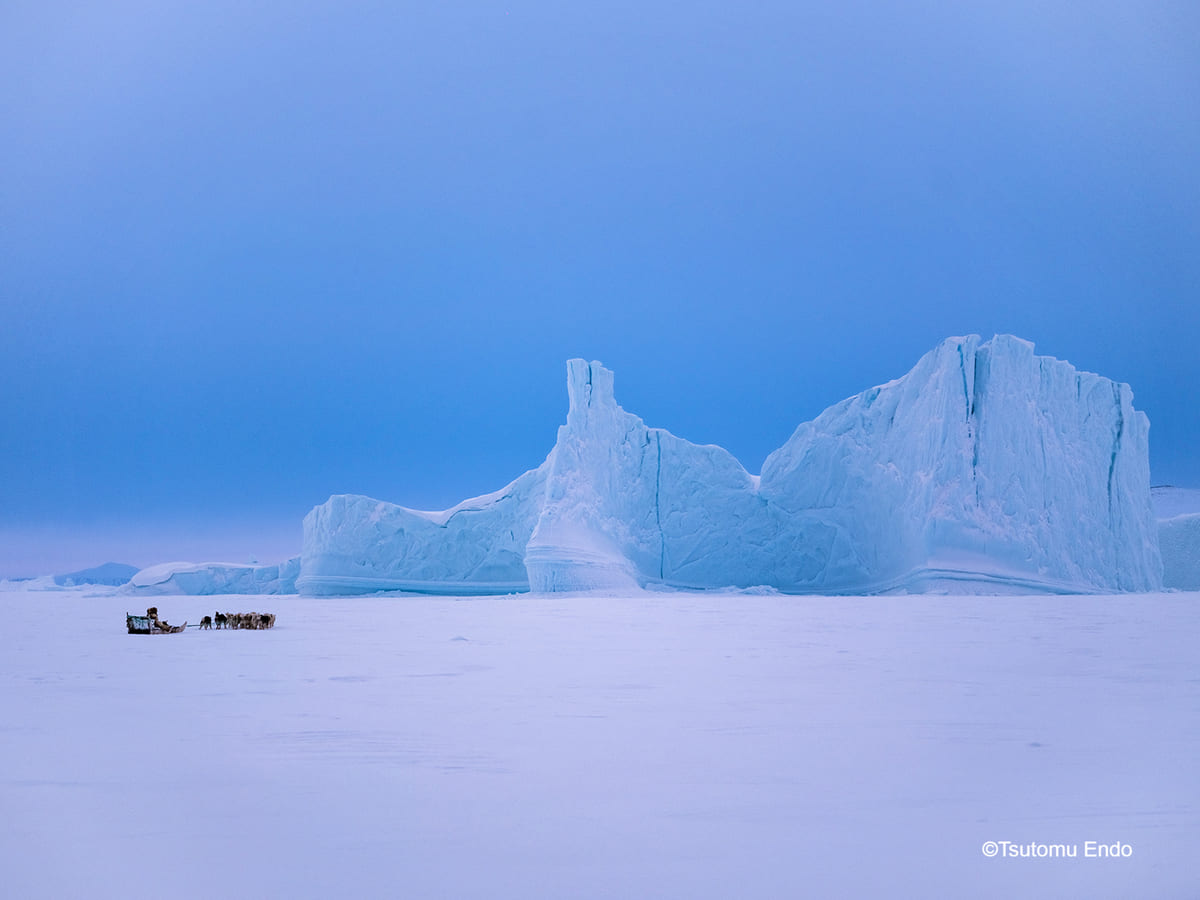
pixel 657 745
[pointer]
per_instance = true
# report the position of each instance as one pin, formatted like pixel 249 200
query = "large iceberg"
pixel 984 468
pixel 985 463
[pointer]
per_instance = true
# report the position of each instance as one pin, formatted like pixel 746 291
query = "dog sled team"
pixel 252 620
pixel 152 624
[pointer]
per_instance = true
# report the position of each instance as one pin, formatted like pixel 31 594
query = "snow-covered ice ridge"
pixel 986 467
pixel 215 578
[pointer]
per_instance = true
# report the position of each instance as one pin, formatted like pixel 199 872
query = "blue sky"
pixel 255 254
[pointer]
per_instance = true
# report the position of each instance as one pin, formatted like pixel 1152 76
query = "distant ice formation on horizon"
pixel 986 468
pixel 1178 511
pixel 110 573
pixel 202 579
pixel 1179 540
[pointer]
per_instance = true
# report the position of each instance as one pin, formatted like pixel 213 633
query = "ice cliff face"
pixel 984 463
pixel 985 467
pixel 628 504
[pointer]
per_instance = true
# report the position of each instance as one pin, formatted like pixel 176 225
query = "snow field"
pixel 641 745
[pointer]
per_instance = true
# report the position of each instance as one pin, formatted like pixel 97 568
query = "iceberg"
pixel 985 464
pixel 985 468
pixel 626 504
pixel 356 545
pixel 201 579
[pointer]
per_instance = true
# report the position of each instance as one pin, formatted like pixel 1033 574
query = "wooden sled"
pixel 145 625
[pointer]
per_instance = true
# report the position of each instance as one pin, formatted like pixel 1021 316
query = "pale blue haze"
pixel 255 254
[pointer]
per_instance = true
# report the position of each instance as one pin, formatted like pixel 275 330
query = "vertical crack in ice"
pixel 1041 425
pixel 973 424
pixel 1118 430
pixel 962 370
pixel 662 542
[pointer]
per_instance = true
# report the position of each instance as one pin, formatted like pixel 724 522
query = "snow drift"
pixel 986 467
